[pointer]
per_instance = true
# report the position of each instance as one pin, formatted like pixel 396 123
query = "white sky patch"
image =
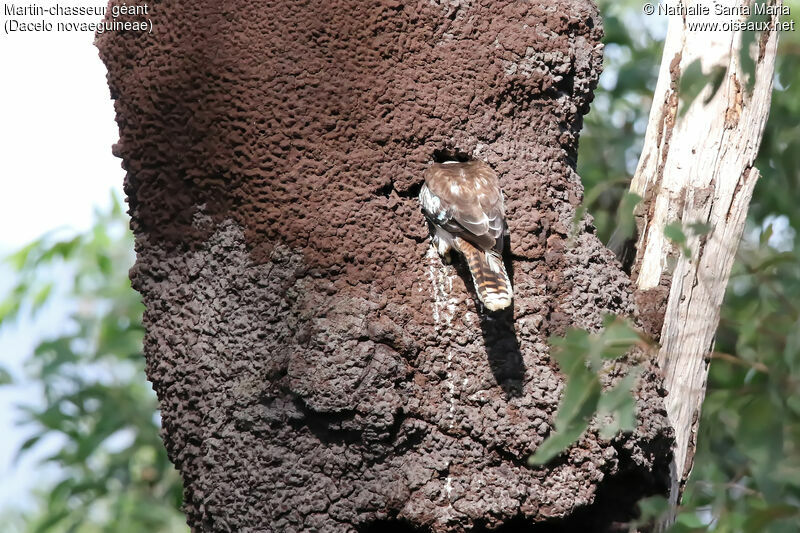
pixel 783 234
pixel 781 239
pixel 56 131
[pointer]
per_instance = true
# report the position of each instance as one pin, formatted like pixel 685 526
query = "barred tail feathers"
pixel 488 275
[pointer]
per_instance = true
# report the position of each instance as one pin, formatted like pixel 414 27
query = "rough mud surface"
pixel 318 368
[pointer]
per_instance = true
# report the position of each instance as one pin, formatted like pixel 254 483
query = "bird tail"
pixel 488 275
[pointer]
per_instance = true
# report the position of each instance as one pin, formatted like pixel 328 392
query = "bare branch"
pixel 697 168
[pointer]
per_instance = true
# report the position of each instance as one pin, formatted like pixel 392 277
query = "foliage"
pixel 96 405
pixel 747 467
pixel 613 131
pixel 679 234
pixel 746 475
pixel 582 357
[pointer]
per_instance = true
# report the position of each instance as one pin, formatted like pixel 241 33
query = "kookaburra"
pixel 463 205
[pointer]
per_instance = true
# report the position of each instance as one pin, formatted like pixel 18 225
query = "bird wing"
pixel 465 199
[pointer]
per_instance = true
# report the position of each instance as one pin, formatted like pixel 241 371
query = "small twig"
pixel 761 367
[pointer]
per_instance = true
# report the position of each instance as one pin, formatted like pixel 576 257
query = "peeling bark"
pixel 317 367
pixel 697 168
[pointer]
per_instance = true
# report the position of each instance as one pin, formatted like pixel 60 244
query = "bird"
pixel 463 205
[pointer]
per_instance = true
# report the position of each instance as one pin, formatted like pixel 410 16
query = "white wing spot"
pixel 430 202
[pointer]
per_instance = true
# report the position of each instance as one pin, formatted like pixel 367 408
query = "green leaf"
pixel 618 337
pixel 759 520
pixel 572 420
pixel 690 520
pixel 60 250
pixel 580 356
pixel 19 259
pixel 765 235
pixel 41 296
pixel 749 41
pixel 9 308
pixel 700 228
pixel 619 403
pixel 694 80
pixel 579 401
pixel 652 508
pixel 51 519
pixel 775 259
pixel 674 232
pixel 5 377
pixel 691 83
pixel 104 262
pixel 29 443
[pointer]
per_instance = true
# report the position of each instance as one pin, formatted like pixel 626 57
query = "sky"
pixel 56 131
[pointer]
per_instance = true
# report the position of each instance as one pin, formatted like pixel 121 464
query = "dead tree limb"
pixel 696 169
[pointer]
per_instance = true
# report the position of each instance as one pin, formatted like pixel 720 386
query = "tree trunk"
pixel 696 169
pixel 317 366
